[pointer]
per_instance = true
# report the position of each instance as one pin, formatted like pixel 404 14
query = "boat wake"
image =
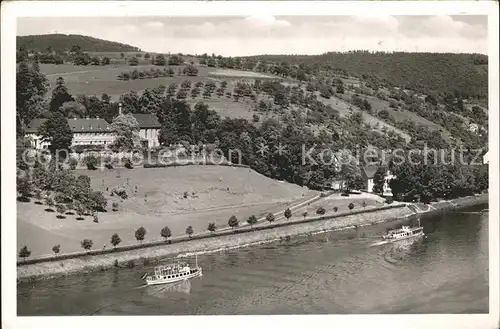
pixel 378 243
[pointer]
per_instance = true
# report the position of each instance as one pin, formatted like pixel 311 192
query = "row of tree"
pixel 166 233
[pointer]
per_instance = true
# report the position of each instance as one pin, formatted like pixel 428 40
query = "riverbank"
pixel 246 237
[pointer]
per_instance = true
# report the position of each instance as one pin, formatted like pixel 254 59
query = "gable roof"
pixel 88 125
pixel 146 120
pixel 76 125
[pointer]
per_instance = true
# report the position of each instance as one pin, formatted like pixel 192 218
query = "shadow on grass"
pixel 49 210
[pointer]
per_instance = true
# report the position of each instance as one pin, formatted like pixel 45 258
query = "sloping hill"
pixel 422 72
pixel 62 42
pixel 156 199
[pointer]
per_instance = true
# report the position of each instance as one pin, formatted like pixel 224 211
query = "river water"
pixel 342 272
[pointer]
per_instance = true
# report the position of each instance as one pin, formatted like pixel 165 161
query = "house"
pixel 86 131
pixel 149 129
pixel 486 158
pixel 96 131
pixel 369 173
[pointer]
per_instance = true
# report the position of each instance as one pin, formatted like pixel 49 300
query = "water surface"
pixel 447 272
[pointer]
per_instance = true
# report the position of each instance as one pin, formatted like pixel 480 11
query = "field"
pixel 96 80
pixel 241 74
pixel 219 193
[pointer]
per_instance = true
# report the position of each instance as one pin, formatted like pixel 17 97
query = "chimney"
pixel 119 108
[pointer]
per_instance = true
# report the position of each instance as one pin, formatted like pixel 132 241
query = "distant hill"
pixel 63 42
pixel 423 72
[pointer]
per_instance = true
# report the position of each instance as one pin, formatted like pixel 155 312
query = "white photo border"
pixel 12 10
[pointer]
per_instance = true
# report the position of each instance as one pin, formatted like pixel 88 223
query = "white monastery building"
pixel 96 131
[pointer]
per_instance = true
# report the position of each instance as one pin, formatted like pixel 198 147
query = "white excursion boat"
pixel 405 232
pixel 171 273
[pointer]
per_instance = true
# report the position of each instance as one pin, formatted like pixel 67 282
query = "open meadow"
pixel 213 194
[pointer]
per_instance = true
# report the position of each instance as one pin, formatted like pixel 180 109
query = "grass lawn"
pixel 341 203
pixel 158 202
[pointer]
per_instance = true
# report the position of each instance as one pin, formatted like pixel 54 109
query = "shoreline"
pixel 148 254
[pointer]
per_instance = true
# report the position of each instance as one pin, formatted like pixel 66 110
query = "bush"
pixel 128 163
pixel 233 222
pixel 389 200
pixel 87 244
pixel 212 227
pixel 92 162
pixel 115 206
pixel 120 192
pixel 131 264
pixel 56 249
pixel 335 209
pixel 351 206
pixel 321 211
pixel 72 162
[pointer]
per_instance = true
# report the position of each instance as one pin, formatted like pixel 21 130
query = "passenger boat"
pixel 405 232
pixel 171 273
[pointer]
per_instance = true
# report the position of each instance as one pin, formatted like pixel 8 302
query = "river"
pixel 342 273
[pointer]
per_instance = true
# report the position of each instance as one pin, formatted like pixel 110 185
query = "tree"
pixel 57 131
pixel 288 213
pixel 31 87
pixel 233 222
pixel 305 213
pixel 122 55
pixel 126 128
pixel 166 233
pixel 335 209
pixel 147 56
pixel 95 60
pixel 56 249
pixel 140 233
pixel 133 61
pixel 60 95
pixel 190 70
pixel 211 227
pixel 270 218
pixel 24 186
pixel 383 114
pixel 61 209
pixel 24 253
pixel 175 60
pixel 340 88
pixel 87 244
pixel 252 220
pixel 321 211
pixel 115 240
pixel 189 231
pixel 379 180
pixel 105 61
pixel 351 206
pixel 364 204
pixel 73 110
pixel 49 202
pixel 159 60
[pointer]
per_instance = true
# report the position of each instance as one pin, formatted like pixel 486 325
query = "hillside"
pixel 155 199
pixel 63 42
pixel 422 72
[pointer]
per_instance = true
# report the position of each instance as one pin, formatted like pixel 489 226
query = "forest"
pixel 64 42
